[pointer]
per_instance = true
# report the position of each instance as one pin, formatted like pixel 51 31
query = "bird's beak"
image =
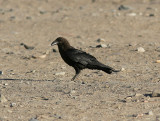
pixel 54 43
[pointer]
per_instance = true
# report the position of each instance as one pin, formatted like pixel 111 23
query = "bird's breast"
pixel 66 58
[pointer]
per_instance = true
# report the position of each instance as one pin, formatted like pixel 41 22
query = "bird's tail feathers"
pixel 106 69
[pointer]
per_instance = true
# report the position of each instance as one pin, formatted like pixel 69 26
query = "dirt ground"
pixel 35 82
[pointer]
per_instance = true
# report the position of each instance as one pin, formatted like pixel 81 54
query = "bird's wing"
pixel 79 56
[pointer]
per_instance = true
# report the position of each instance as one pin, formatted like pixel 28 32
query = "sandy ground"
pixel 41 88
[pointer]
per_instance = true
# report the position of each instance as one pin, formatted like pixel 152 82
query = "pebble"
pixel 2 99
pixel 60 73
pixel 12 18
pixel 33 119
pixel 102 46
pixel 27 47
pixel 9 111
pixel 66 91
pixel 132 43
pixel 135 89
pixel 156 93
pixel 100 40
pixel 158 49
pixel 150 113
pixel 122 69
pixel 123 7
pixel 151 15
pixel 1 72
pixel 157 61
pixel 12 104
pixel 63 67
pixel 83 82
pixel 54 50
pixel 44 98
pixel 5 84
pixel 32 71
pixel 10 53
pixel 42 12
pixel 138 95
pixel 128 98
pixel 28 17
pixel 131 14
pixel 42 56
pixel 73 91
pixel 140 49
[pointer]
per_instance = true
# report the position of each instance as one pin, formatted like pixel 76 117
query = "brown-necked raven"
pixel 78 59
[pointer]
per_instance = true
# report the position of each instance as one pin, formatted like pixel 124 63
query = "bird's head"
pixel 61 42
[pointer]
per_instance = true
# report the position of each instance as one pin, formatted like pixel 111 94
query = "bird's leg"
pixel 77 73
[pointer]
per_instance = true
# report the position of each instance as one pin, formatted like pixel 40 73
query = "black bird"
pixel 78 59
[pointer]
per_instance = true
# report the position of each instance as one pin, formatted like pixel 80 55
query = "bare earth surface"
pixel 36 84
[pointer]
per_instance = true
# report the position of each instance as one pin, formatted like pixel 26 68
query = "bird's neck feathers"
pixel 64 46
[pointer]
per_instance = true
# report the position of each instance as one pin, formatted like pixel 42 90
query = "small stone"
pixel 66 91
pixel 135 89
pixel 10 53
pixel 2 99
pixel 73 91
pixel 83 82
pixel 5 84
pixel 157 61
pixel 60 73
pixel 122 7
pixel 102 46
pixel 1 72
pixel 140 49
pixel 42 12
pixel 132 14
pixel 134 115
pixel 158 49
pixel 78 36
pixel 32 71
pixel 150 113
pixel 128 98
pixel 138 95
pixel 42 56
pixel 122 69
pixel 44 98
pixel 100 40
pixel 28 17
pixel 151 15
pixel 54 50
pixel 33 119
pixel 132 44
pixel 63 67
pixel 12 104
pixel 9 111
pixel 12 18
pixel 27 47
pixel 156 93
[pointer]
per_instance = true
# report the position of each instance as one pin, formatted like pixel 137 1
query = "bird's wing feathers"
pixel 80 56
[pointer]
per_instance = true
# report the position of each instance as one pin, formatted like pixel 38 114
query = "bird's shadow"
pixel 10 79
